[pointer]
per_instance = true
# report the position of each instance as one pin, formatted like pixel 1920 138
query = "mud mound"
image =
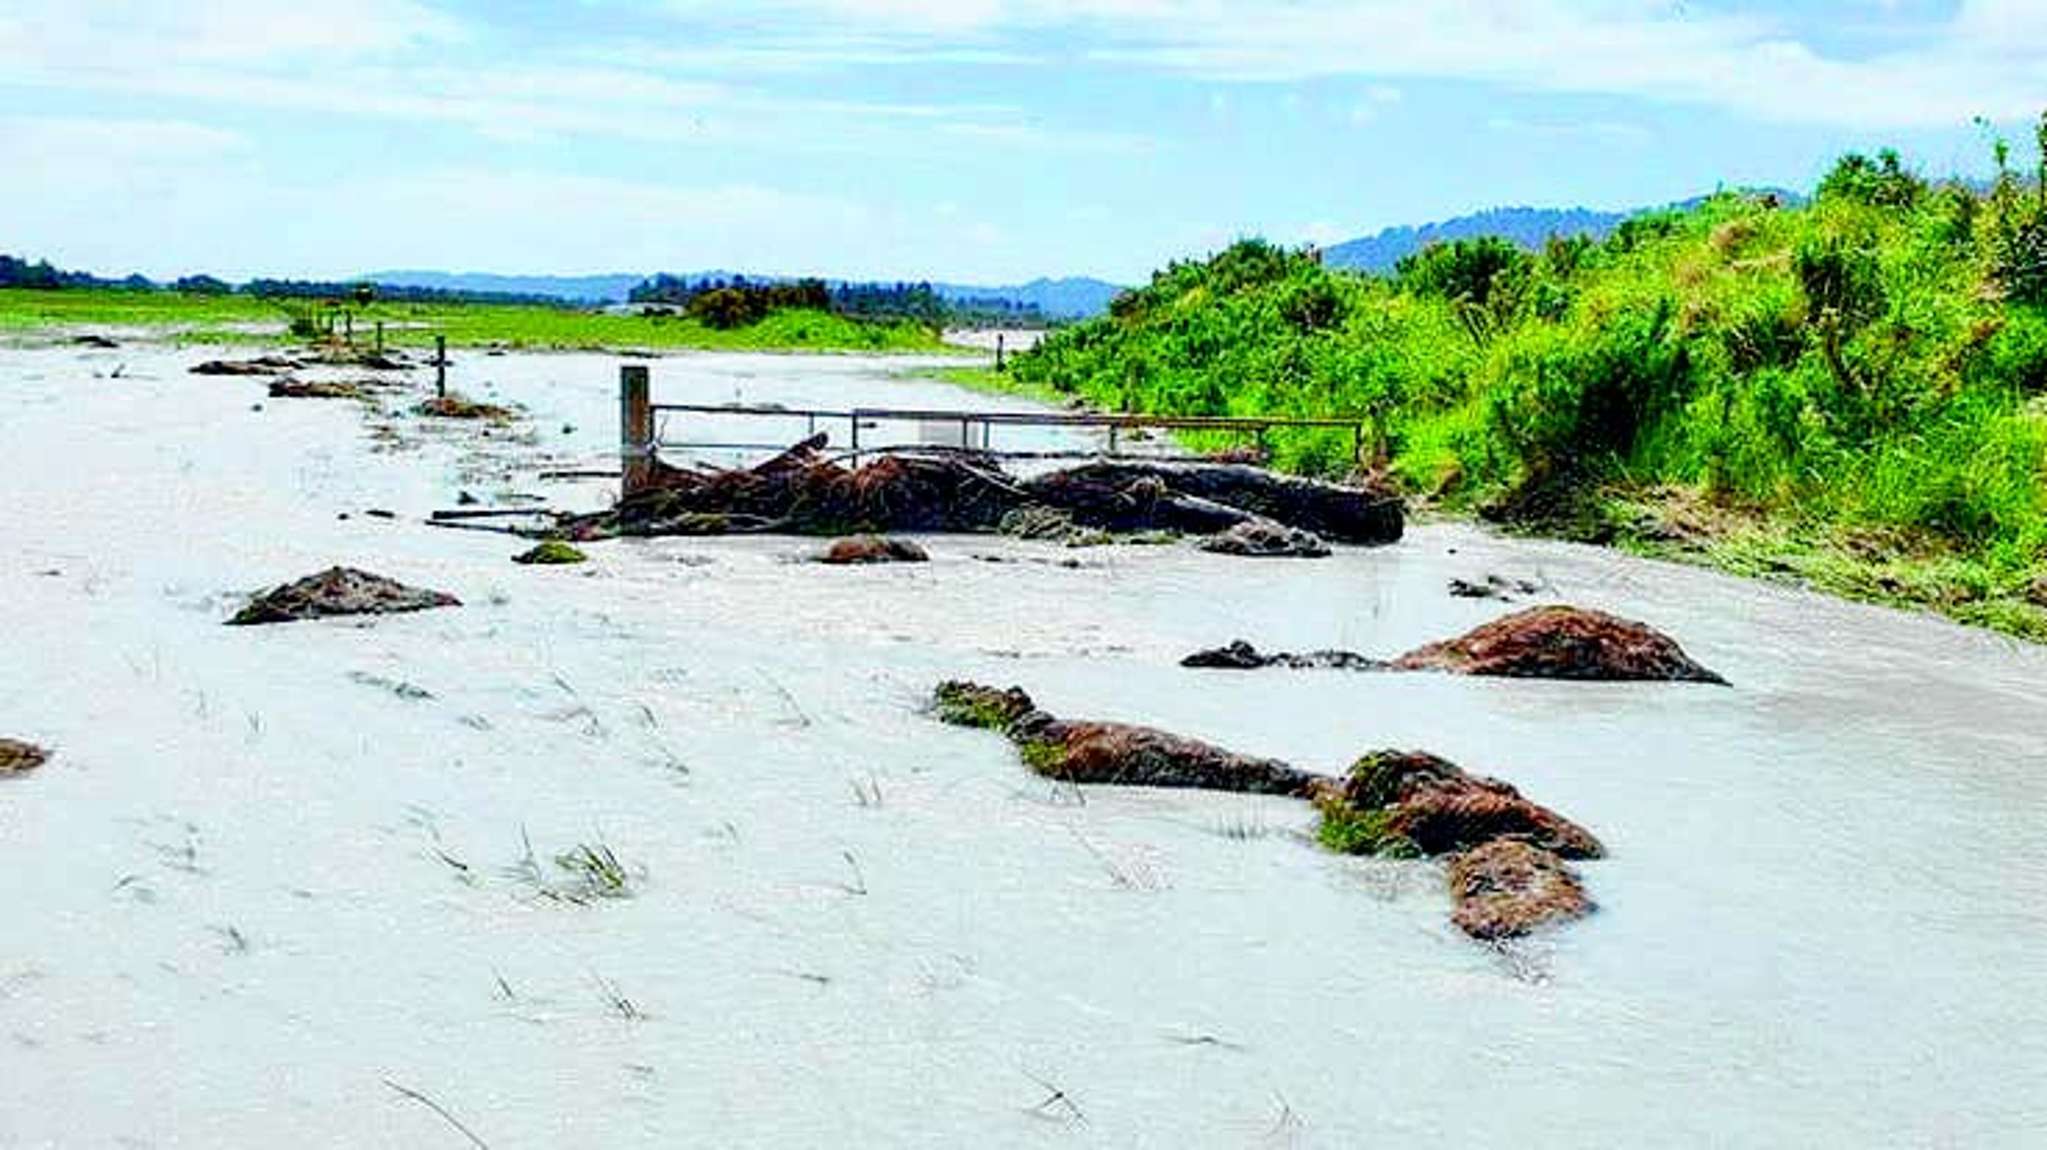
pixel 1121 754
pixel 551 553
pixel 1561 643
pixel 1239 655
pixel 17 757
pixel 316 389
pixel 1265 539
pixel 453 406
pixel 1410 803
pixel 1508 888
pixel 339 591
pixel 860 549
pixel 261 365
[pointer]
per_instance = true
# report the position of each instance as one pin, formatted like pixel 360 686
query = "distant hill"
pixel 1528 227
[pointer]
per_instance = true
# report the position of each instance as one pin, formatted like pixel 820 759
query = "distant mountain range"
pixel 1528 227
pixel 1070 298
pixel 1078 297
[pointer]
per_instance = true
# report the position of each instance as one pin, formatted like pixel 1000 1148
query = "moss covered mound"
pixel 551 553
pixel 1408 803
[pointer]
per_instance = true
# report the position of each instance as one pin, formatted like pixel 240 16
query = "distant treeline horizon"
pixel 721 301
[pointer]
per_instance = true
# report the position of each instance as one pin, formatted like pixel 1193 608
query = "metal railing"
pixel 640 441
pixel 977 428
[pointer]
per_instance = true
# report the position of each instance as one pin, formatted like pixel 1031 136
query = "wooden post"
pixel 635 428
pixel 380 337
pixel 998 353
pixel 441 366
pixel 348 327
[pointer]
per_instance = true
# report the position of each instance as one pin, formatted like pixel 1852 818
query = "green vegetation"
pixel 551 553
pixel 1850 392
pixel 971 705
pixel 210 317
pixel 1349 831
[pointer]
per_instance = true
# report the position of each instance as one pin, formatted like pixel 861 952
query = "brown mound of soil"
pixel 339 591
pixel 1239 655
pixel 261 365
pixel 316 389
pixel 1121 754
pixel 1112 753
pixel 1260 538
pixel 1507 888
pixel 1406 802
pixel 872 549
pixel 17 757
pixel 1561 643
pixel 453 406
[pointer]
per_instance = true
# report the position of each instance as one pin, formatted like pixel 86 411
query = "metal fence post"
pixel 635 428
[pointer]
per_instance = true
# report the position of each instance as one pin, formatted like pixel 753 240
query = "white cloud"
pixel 1988 57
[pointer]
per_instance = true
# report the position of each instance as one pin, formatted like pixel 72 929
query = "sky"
pixel 990 141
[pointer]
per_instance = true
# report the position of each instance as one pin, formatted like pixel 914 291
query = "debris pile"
pixel 338 591
pixel 804 491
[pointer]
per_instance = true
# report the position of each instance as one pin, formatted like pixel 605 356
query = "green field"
pixel 29 314
pixel 1851 393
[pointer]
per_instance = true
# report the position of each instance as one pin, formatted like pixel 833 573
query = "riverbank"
pixel 1907 571
pixel 34 316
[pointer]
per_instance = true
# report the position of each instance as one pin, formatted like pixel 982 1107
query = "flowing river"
pixel 273 872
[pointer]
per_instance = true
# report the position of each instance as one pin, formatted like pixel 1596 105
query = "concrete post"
pixel 635 428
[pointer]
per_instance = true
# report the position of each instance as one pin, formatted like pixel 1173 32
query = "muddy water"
pixel 1822 920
